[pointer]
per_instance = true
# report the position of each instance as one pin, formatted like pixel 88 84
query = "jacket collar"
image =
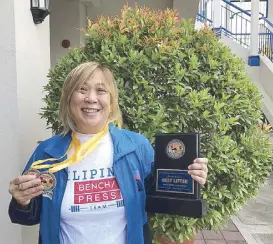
pixel 59 146
pixel 122 143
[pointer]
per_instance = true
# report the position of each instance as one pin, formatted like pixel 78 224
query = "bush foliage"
pixel 173 78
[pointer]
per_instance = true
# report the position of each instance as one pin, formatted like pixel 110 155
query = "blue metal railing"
pixel 203 19
pixel 246 4
pixel 205 11
pixel 236 24
pixel 266 38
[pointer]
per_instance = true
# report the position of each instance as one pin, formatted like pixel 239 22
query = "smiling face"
pixel 90 105
pixel 89 98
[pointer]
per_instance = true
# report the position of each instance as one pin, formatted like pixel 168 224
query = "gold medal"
pixel 48 181
pixel 32 172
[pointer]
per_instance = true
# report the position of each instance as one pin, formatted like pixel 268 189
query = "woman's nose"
pixel 91 97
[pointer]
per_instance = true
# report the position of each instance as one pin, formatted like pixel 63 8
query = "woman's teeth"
pixel 90 110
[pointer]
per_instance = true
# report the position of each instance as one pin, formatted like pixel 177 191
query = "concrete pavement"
pixel 255 220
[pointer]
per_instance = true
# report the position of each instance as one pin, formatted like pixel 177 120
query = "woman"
pixel 85 190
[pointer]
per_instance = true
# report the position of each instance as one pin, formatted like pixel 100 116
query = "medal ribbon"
pixel 80 152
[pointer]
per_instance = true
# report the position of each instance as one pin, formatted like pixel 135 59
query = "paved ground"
pixel 228 235
pixel 255 221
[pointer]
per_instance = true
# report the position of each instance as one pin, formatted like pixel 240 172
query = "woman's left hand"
pixel 199 170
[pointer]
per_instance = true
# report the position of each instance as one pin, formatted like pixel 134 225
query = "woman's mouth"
pixel 90 111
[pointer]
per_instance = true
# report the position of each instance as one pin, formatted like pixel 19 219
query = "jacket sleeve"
pixel 25 216
pixel 148 156
pixel 29 215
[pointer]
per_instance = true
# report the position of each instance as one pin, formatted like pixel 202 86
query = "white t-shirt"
pixel 92 209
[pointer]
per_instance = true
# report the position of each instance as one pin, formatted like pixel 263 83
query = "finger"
pixel 201 160
pixel 32 191
pixel 198 166
pixel 36 194
pixel 29 184
pixel 22 178
pixel 200 180
pixel 14 186
pixel 18 194
pixel 199 173
pixel 12 189
pixel 24 200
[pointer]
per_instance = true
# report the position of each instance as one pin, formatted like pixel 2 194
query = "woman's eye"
pixel 82 89
pixel 101 90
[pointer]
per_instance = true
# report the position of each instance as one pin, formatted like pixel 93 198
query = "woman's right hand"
pixel 25 187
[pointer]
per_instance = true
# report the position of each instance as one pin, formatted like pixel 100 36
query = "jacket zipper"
pixel 60 205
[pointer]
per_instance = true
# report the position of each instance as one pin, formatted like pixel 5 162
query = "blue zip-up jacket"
pixel 133 156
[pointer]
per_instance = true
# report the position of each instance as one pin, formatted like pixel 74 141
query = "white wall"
pixel 9 155
pixel 243 53
pixel 68 16
pixel 266 75
pixel 24 64
pixel 266 78
pixel 156 4
pixel 64 24
pixel 103 7
pixel 261 76
pixel 270 10
pixel 33 63
pixel 187 8
pixel 112 8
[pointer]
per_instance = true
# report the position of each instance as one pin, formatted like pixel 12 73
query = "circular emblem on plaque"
pixel 32 172
pixel 175 149
pixel 48 181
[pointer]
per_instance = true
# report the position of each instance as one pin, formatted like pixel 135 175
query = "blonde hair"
pixel 77 77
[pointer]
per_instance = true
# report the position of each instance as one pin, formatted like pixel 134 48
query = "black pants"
pixel 147 234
